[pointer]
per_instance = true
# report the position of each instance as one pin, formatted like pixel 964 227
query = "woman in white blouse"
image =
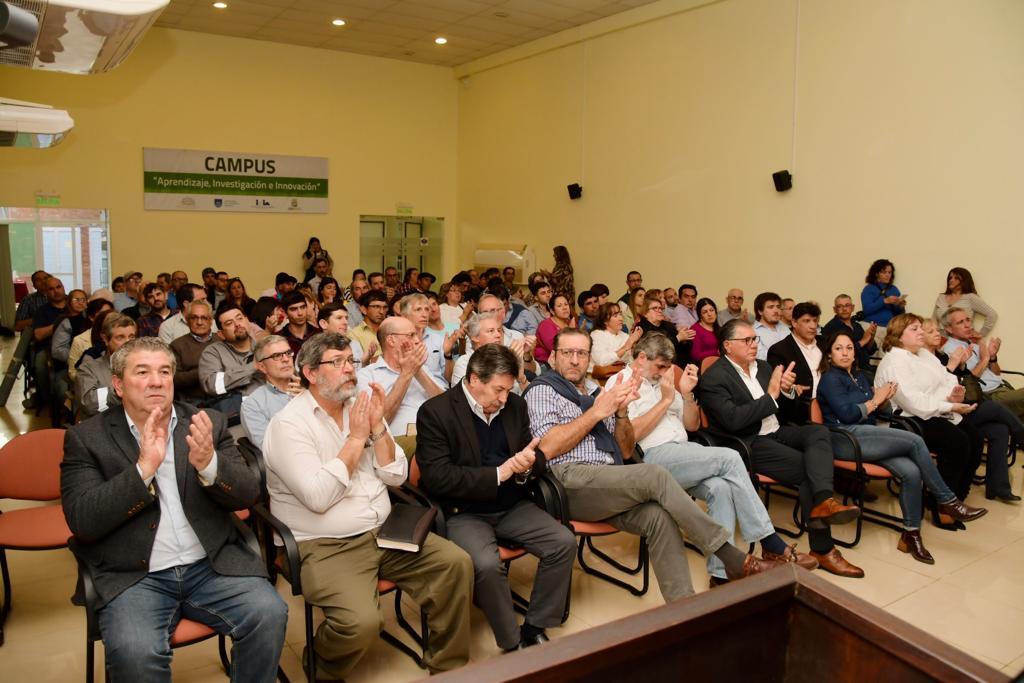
pixel 453 312
pixel 933 398
pixel 610 344
pixel 960 293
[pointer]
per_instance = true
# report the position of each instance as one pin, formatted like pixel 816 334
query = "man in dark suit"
pixel 475 453
pixel 148 492
pixel 740 395
pixel 801 350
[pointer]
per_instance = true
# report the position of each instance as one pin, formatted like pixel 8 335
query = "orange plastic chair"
pixel 30 470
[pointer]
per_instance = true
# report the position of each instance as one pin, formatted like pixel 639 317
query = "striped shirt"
pixel 547 409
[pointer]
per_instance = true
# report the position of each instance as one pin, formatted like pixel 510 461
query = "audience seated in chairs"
pixel 538 311
pixel 486 329
pixel 156 298
pixel 94 390
pixel 611 344
pixel 158 557
pixel 705 338
pixel 329 457
pixel 993 420
pixel 849 402
pixel 44 322
pixel 844 321
pixel 961 295
pixel 982 360
pixel 415 308
pixel 476 454
pixel 275 361
pixel 934 399
pixel 374 307
pixel 800 350
pixel 31 303
pixel 298 329
pixel 733 308
pixel 652 319
pixel 584 432
pixel 661 415
pixel 334 317
pixel 561 318
pixel 741 397
pixel 176 325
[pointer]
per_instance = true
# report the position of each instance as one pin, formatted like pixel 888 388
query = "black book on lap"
pixel 406 527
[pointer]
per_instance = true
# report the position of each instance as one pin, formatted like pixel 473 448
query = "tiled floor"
pixel 973 597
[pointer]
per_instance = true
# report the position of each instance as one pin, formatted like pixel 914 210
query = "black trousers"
pixel 801 456
pixel 995 422
pixel 957 450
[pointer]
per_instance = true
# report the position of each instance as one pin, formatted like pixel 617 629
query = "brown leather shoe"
pixel 911 543
pixel 831 511
pixel 752 565
pixel 792 555
pixel 960 511
pixel 834 563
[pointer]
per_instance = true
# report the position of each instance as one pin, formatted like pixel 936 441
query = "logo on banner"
pixel 218 202
pixel 188 201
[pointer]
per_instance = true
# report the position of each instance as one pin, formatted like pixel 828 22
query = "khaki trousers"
pixel 340 576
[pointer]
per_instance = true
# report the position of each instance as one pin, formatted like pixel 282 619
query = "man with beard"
pixel 226 369
pixel 374 307
pixel 769 327
pixel 156 298
pixel 330 457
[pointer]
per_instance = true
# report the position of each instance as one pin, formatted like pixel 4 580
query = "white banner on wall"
pixel 196 180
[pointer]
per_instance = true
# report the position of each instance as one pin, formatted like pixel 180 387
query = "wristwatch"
pixel 374 438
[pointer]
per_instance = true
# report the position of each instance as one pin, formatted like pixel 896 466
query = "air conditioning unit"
pixel 27 124
pixel 78 36
pixel 520 257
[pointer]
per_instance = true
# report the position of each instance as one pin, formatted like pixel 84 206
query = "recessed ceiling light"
pixel 440 40
pixel 220 5
pixel 338 22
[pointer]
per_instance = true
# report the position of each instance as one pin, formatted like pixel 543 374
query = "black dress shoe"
pixel 1004 497
pixel 537 639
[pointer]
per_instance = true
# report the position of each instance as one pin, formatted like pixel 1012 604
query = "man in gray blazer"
pixel 148 491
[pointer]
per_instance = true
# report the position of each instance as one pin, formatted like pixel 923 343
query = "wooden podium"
pixel 784 625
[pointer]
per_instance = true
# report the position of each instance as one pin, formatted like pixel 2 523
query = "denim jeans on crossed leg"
pixel 718 477
pixel 906 455
pixel 136 626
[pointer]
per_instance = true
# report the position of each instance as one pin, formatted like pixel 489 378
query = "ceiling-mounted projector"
pixel 76 36
pixel 27 124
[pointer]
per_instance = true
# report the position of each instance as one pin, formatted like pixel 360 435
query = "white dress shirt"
pixel 670 427
pixel 770 424
pixel 604 344
pixel 811 354
pixel 176 544
pixel 310 488
pixel 923 383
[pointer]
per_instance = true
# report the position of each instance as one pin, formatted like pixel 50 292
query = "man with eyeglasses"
pixel 355 292
pixel 733 309
pixel 586 433
pixel 402 372
pixel 493 304
pixel 94 391
pixel 274 358
pixel 330 457
pixel 177 325
pixel 769 327
pixel 226 368
pixel 843 321
pixel 374 307
pixel 129 297
pixel 188 349
pixel 741 396
pixel 634 281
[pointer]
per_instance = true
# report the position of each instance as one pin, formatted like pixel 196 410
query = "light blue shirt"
pixel 176 543
pixel 415 396
pixel 989 380
pixel 766 336
pixel 258 408
pixel 434 341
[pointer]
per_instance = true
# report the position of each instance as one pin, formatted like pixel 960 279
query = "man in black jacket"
pixel 740 395
pixel 476 454
pixel 802 350
pixel 148 492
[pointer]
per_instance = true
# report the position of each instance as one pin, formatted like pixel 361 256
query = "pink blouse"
pixel 546 332
pixel 705 344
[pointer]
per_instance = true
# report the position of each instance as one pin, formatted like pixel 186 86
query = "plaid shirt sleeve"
pixel 547 409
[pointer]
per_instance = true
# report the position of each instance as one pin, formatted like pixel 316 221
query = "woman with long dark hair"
pixel 561 317
pixel 239 296
pixel 313 252
pixel 328 291
pixel 961 293
pixel 881 298
pixel 705 341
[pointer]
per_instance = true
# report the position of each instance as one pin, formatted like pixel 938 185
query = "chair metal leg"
pixel 222 649
pixel 5 608
pixel 643 565
pixel 90 660
pixel 419 638
pixel 310 651
pixel 519 603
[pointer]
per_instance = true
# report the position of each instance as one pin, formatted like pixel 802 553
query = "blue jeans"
pixel 718 477
pixel 136 626
pixel 905 455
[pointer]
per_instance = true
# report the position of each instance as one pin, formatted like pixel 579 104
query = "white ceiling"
pixel 400 29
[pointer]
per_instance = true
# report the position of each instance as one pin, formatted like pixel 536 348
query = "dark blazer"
pixel 448 449
pixel 727 401
pixel 796 410
pixel 114 516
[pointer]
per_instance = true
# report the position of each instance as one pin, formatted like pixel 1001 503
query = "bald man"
pixel 734 308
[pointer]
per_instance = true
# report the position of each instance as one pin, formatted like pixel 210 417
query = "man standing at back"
pixel 148 492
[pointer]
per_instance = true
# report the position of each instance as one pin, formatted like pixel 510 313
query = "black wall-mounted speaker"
pixel 575 191
pixel 783 180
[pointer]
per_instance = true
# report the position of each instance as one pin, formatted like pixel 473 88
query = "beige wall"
pixel 190 90
pixel 907 146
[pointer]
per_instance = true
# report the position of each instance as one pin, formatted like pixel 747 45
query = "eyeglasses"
pixel 78 299
pixel 574 353
pixel 734 298
pixel 656 308
pixel 749 341
pixel 402 334
pixel 338 363
pixel 378 305
pixel 278 356
pixel 200 318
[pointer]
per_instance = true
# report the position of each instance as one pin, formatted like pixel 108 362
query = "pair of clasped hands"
pixel 153 444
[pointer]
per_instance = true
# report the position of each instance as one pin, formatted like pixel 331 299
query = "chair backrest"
pixel 707 363
pixel 30 465
pixel 816 416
